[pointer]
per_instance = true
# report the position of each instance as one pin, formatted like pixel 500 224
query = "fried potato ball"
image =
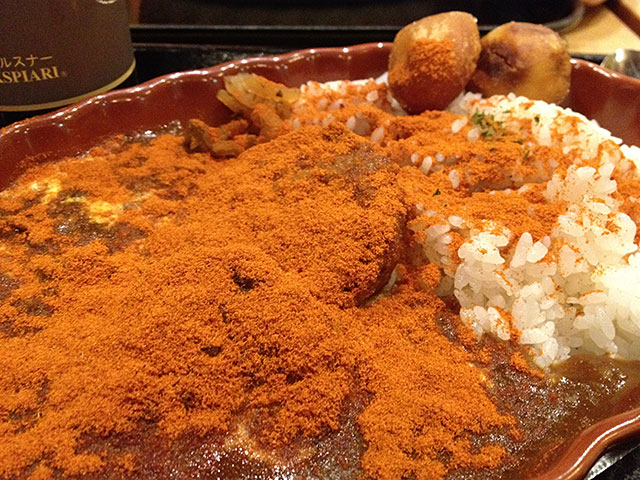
pixel 527 59
pixel 432 60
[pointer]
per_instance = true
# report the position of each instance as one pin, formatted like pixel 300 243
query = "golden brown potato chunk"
pixel 526 59
pixel 432 60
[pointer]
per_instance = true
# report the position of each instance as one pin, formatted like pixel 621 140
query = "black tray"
pixel 349 14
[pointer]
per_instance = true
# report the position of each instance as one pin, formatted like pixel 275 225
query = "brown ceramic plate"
pixel 613 100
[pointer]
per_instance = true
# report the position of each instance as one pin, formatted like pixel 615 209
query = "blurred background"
pixel 590 26
pixel 349 12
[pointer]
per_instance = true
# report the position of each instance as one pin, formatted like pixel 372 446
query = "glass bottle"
pixel 57 52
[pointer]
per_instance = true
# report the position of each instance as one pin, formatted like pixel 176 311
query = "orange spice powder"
pixel 202 291
pixel 151 292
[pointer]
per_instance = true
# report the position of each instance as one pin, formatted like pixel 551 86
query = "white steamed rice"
pixel 576 290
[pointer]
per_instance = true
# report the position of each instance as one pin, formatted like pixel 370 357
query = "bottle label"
pixel 61 52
